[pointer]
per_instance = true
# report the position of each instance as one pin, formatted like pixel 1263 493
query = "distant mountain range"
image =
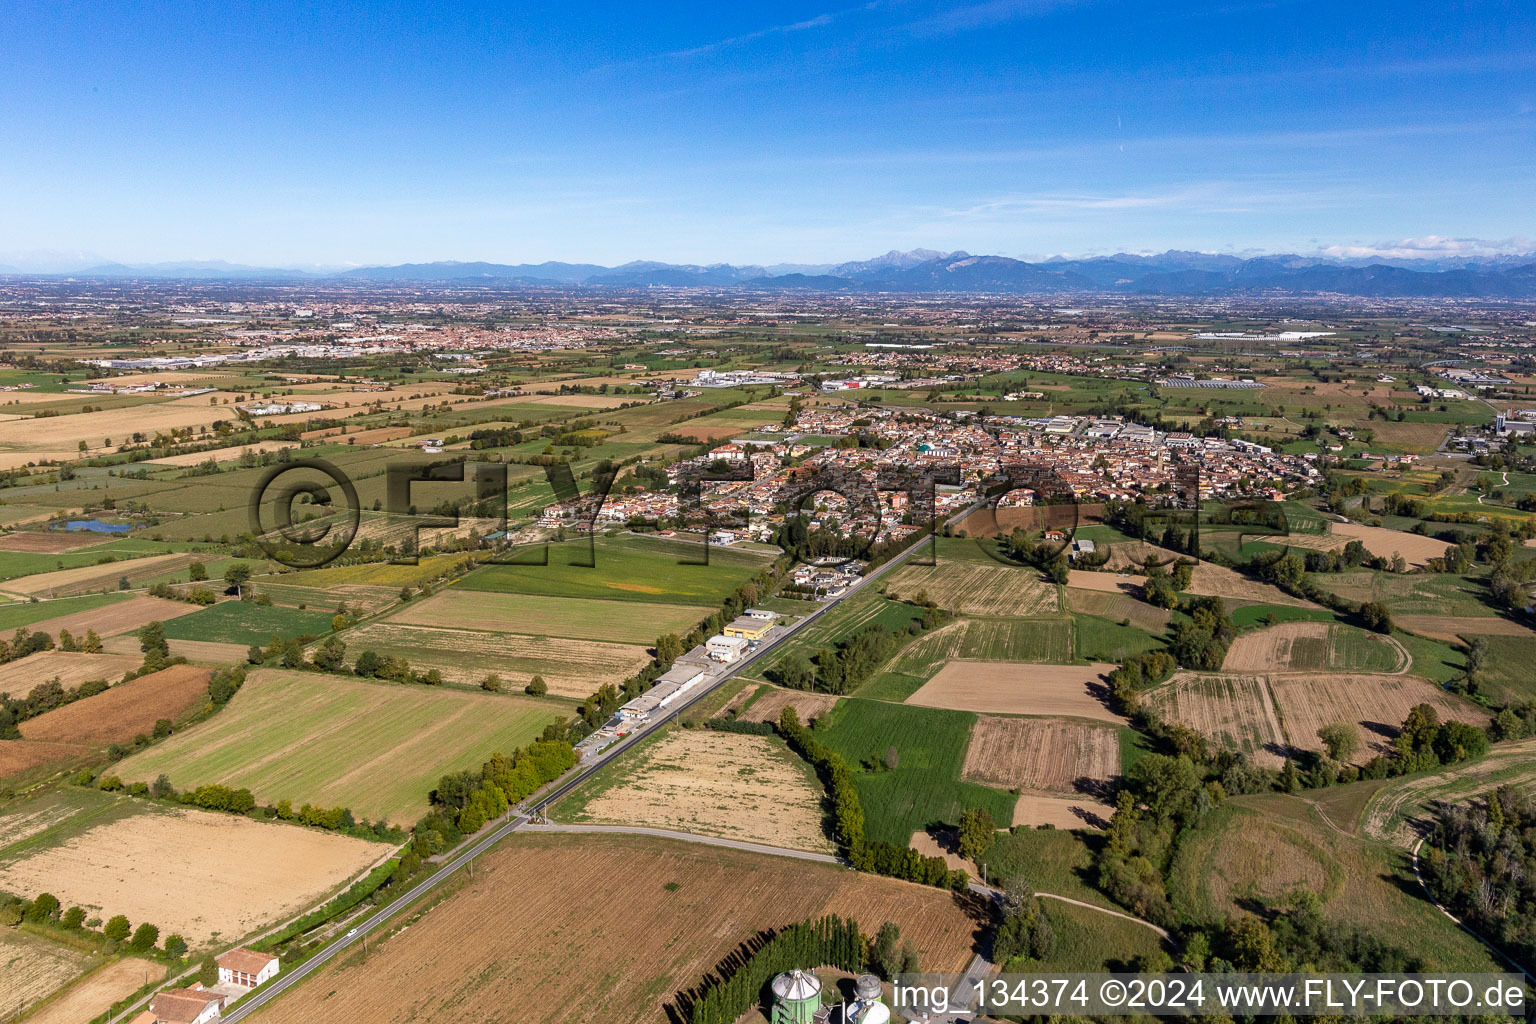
pixel 1172 273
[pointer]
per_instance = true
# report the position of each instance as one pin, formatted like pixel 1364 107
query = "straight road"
pixel 519 817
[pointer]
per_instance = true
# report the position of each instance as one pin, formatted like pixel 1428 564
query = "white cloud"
pixel 1432 246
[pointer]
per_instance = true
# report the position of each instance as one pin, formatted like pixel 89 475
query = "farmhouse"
pixel 193 1005
pixel 246 968
pixel 748 627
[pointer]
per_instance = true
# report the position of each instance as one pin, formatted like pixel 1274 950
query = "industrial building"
pixel 748 627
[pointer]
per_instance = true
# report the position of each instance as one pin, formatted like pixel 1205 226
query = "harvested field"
pixel 205 652
pixel 702 432
pixel 1105 582
pixel 1118 606
pixel 1237 712
pixel 71 669
pixel 571 668
pixel 1046 641
pixel 538 923
pixel 343 435
pixel 978 589
pixel 713 783
pixel 1315 647
pixel 53 542
pixel 1451 628
pixel 20 757
pixel 118 617
pixel 31 969
pixel 144 863
pixel 1041 755
pixel 1002 688
pixel 124 711
pixel 771 704
pixel 625 622
pixel 94 994
pixel 65 582
pixel 222 454
pixel 1387 543
pixel 1133 554
pixel 1218 581
pixel 1398 813
pixel 374 747
pixel 1061 812
pixel 66 432
pixel 1377 704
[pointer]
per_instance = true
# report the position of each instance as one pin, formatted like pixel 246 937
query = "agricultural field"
pixel 1510 668
pixel 1257 848
pixel 1398 811
pixel 1065 812
pixel 245 622
pixel 367 574
pixel 767 703
pixel 1417 594
pixel 1102 640
pixel 1117 607
pixel 377 748
pixel 51 542
pixel 121 615
pixel 32 968
pixel 202 652
pixel 17 678
pixel 1265 716
pixel 107 577
pixel 1042 755
pixel 1212 580
pixel 538 922
pixel 30 613
pixel 95 993
pixel 1382 543
pixel 926 785
pixel 738 786
pixel 21 760
pixel 627 569
pixel 1001 688
pixel 977 588
pixel 622 622
pixel 1455 629
pixel 571 668
pixel 119 855
pixel 1315 647
pixel 125 711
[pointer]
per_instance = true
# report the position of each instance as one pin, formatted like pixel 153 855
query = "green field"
pixel 1039 641
pixel 25 613
pixel 626 569
pixel 1509 672
pixel 1049 859
pixel 1087 940
pixel 1253 616
pixel 1259 847
pixel 245 622
pixel 925 789
pixel 377 748
pixel 1101 640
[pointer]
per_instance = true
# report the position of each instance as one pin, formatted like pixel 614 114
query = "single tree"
pixel 144 938
pixel 537 687
pixel 977 831
pixel 117 929
pixel 237 576
pixel 491 683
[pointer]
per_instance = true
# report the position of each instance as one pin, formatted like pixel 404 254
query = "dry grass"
pixel 87 578
pixel 1006 688
pixel 1218 581
pixel 1116 607
pixel 17 678
pixel 975 589
pixel 31 969
pixel 1451 628
pixel 1041 754
pixel 55 433
pixel 771 705
pixel 222 454
pixel 19 757
pixel 204 652
pixel 94 994
pixel 124 711
pixel 1387 543
pixel 195 873
pixel 545 916
pixel 118 617
pixel 1061 812
pixel 1310 646
pixel 720 784
pixel 50 543
pixel 1236 711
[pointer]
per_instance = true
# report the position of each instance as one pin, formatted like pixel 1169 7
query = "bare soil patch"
pixel 17 678
pixel 53 542
pixel 771 705
pixel 720 784
pixel 196 873
pixel 1042 755
pixel 19 757
pixel 94 994
pixel 1061 812
pixel 124 711
pixel 1386 543
pixel 1105 582
pixel 539 922
pixel 1007 688
pixel 118 617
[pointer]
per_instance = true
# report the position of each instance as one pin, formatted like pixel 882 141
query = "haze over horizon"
pixel 283 137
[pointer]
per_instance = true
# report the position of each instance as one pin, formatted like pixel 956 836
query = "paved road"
pixel 520 817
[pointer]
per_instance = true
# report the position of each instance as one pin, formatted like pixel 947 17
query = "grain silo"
pixel 796 997
pixel 867 1008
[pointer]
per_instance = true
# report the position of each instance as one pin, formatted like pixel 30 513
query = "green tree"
pixel 152 640
pixel 977 832
pixel 208 972
pixel 491 683
pixel 92 643
pixel 117 929
pixel 537 687
pixel 238 575
pixel 1340 740
pixel 43 908
pixel 144 938
pixel 1375 616
pixel 197 572
pixel 175 946
pixel 73 918
pixel 331 654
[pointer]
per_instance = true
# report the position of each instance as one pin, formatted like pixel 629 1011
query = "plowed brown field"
pixel 71 669
pixel 115 618
pixel 124 711
pixel 540 921
pixel 50 543
pixel 94 994
pixel 1006 688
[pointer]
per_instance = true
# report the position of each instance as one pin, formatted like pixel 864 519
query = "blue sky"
pixel 279 133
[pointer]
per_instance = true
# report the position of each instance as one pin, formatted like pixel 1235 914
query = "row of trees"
pixel 847 666
pixel 872 855
pixel 738 983
pixel 117 933
pixel 484 795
